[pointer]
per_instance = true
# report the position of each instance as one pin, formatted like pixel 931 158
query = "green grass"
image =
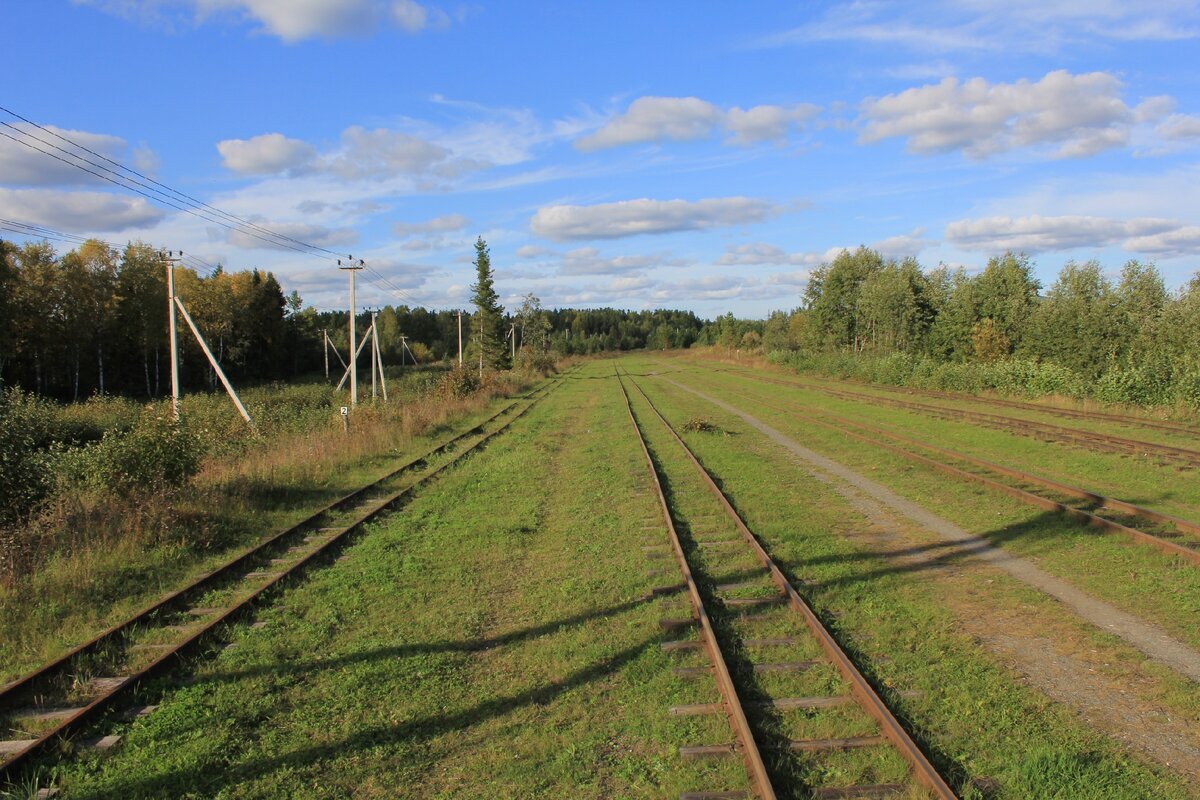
pixel 974 717
pixel 1159 588
pixel 494 639
pixel 123 554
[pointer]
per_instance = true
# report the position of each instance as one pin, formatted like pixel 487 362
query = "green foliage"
pixel 26 425
pixel 458 383
pixel 488 324
pixel 158 453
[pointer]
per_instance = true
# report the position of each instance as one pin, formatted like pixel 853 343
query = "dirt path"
pixel 1149 639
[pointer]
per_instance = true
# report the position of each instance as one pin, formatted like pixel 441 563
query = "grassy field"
pixel 496 638
pixel 1134 577
pixel 113 553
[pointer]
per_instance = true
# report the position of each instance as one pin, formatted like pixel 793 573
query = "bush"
pixel 158 453
pixel 26 431
pixel 532 362
pixel 458 383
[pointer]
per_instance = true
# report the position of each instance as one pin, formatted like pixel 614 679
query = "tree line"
pixel 1127 328
pixel 93 320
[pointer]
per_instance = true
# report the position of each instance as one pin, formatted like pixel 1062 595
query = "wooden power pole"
pixel 170 263
pixel 352 268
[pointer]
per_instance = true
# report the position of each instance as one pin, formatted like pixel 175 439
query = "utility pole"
pixel 460 338
pixel 353 268
pixel 170 263
pixel 403 347
pixel 379 361
pixel 513 332
pixel 374 354
pixel 481 345
pixel 325 339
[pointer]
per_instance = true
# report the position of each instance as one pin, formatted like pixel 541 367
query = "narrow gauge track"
pixel 1026 427
pixel 1066 413
pixel 781 594
pixel 51 703
pixel 1174 543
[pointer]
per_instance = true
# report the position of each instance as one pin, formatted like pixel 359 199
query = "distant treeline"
pixel 1126 339
pixel 94 320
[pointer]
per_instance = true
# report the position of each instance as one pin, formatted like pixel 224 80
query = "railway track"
pixel 731 617
pixel 1066 413
pixel 1177 537
pixel 1042 430
pixel 44 708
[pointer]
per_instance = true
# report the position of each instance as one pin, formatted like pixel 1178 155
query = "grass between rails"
pixel 974 717
pixel 1140 480
pixel 150 547
pixel 493 639
pixel 1135 577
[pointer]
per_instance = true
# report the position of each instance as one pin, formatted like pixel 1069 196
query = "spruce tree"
pixel 488 322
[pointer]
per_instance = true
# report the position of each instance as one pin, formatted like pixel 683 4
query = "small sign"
pixel 345 411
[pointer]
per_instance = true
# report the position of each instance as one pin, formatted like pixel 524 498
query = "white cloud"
pixel 312 234
pixel 363 154
pixel 904 245
pixel 654 119
pixel 289 20
pixel 443 224
pixel 78 212
pixel 1082 114
pixel 634 217
pixel 24 165
pixel 988 26
pixel 531 251
pixel 587 261
pixel 1180 127
pixel 1036 233
pixel 754 253
pixel 268 154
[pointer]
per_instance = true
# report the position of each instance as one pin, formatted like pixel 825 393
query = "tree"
pixel 832 297
pixel 1006 293
pixel 488 323
pixel 532 322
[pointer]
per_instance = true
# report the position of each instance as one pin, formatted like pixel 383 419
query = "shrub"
pixel 158 453
pixel 458 383
pixel 26 431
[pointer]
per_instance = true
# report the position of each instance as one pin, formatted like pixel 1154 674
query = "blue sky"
pixel 696 155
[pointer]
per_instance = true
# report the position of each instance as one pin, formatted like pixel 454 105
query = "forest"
pixel 93 321
pixel 1125 338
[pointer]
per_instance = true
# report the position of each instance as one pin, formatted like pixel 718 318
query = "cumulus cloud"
pixel 268 154
pixel 363 154
pixel 78 211
pixel 312 234
pixel 289 20
pixel 531 251
pixel 588 261
pixel 1180 127
pixel 443 224
pixel 754 253
pixel 654 119
pixel 1082 114
pixel 634 217
pixel 24 165
pixel 1036 233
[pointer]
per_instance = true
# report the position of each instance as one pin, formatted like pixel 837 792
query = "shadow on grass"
pixel 213 778
pixel 426 648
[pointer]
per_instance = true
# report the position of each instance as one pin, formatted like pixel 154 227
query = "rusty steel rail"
pixel 870 701
pixel 74 722
pixel 1066 413
pixel 747 747
pixel 1117 443
pixel 1191 554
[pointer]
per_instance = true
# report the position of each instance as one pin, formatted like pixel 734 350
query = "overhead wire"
pixel 190 205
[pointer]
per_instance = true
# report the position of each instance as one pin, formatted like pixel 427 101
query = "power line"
pixel 175 192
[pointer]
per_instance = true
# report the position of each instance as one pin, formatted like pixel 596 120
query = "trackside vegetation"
pixel 1085 336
